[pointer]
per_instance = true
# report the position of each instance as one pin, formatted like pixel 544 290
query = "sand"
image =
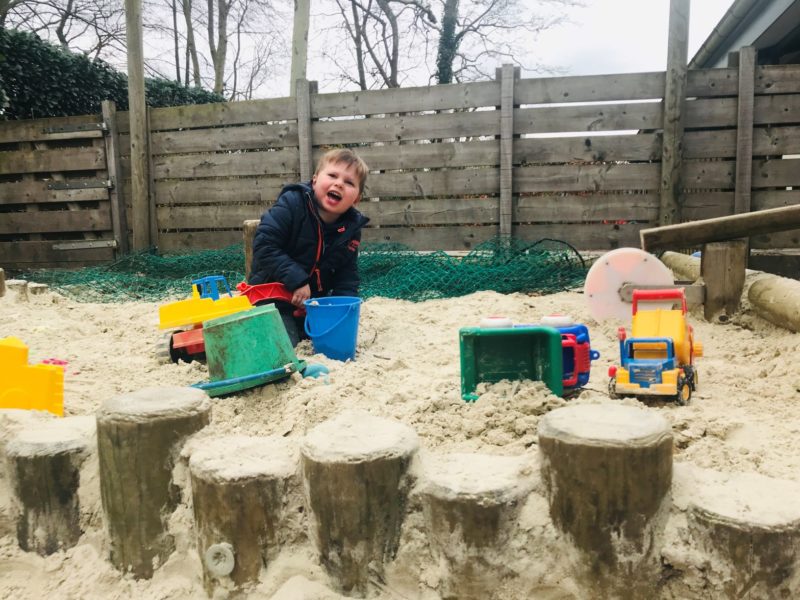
pixel 743 419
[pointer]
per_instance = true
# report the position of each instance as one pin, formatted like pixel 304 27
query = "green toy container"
pixel 247 349
pixel 515 353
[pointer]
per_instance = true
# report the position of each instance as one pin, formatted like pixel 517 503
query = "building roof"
pixel 771 26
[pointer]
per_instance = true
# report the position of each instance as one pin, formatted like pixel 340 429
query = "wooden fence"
pixel 571 158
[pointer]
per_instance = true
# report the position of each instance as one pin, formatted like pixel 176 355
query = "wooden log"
pixel 138 435
pixel 354 472
pixel 722 266
pixel 777 299
pixel 249 231
pixel 37 289
pixel 45 467
pixel 607 471
pixel 240 489
pixel 684 266
pixel 720 229
pixel 471 503
pixel 17 289
pixel 748 527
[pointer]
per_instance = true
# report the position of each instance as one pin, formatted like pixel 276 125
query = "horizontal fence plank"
pixel 398 100
pixel 599 237
pixel 414 127
pixel 36 130
pixel 722 143
pixel 587 177
pixel 228 216
pixel 448 211
pixel 777 79
pixel 255 190
pixel 218 139
pixel 216 114
pixel 588 148
pixel 66 159
pixel 428 155
pixel 29 192
pixel 721 112
pixel 41 254
pixel 589 88
pixel 232 164
pixel 56 221
pixel 607 117
pixel 170 242
pixel 776 173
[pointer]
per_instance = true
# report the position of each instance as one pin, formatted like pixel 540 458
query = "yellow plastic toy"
pixel 29 387
pixel 204 305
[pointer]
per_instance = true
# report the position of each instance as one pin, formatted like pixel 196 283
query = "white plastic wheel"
pixel 219 559
pixel 613 270
pixel 557 321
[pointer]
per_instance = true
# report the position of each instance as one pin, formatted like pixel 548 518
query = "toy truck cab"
pixel 657 360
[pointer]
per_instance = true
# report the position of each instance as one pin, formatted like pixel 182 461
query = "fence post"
pixel 744 129
pixel 119 221
pixel 508 73
pixel 674 101
pixel 303 99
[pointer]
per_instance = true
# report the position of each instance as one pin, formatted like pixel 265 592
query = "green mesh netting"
pixel 503 265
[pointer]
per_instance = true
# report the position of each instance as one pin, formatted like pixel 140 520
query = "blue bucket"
pixel 332 325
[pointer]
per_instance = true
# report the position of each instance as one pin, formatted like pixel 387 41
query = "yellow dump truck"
pixel 658 358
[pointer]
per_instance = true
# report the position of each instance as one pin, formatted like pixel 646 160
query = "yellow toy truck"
pixel 658 358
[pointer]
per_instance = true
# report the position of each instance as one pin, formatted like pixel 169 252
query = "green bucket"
pixel 247 349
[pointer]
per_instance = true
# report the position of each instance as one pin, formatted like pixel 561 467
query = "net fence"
pixel 504 265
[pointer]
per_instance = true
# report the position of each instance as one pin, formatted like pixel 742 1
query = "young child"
pixel 308 240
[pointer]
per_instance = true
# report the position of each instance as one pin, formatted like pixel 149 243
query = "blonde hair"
pixel 348 157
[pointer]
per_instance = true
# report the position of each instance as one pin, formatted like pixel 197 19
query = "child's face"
pixel 336 188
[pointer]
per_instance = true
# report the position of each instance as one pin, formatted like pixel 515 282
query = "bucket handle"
pixel 331 328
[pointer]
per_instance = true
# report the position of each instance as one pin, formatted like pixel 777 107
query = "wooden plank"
pixel 775 198
pixel 506 148
pixel 448 211
pixel 220 139
pixel 249 228
pixel 779 240
pixel 460 96
pixel 767 141
pixel 26 192
pixel 744 141
pixel 590 88
pixel 227 216
pixel 254 190
pixel 588 148
pixel 119 221
pixel 393 129
pixel 776 173
pixel 585 237
pixel 42 161
pixel 579 177
pixel 262 191
pixel 674 114
pixel 303 100
pixel 722 268
pixel 217 114
pixel 40 254
pixel 604 117
pixel 685 235
pixel 229 164
pixel 777 79
pixel 185 241
pixel 392 157
pixel 52 221
pixel 35 130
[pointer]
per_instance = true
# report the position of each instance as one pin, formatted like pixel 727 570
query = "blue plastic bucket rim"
pixel 351 302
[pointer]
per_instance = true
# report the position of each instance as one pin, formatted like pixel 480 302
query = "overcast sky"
pixel 623 36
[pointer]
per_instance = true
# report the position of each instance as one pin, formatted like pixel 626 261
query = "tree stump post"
pixel 138 439
pixel 45 466
pixel 17 289
pixel 723 266
pixel 607 471
pixel 354 472
pixel 2 283
pixel 748 525
pixel 240 491
pixel 471 503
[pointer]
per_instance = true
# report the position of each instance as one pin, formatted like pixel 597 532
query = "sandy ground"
pixel 742 419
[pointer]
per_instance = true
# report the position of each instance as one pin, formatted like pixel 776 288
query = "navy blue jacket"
pixel 294 246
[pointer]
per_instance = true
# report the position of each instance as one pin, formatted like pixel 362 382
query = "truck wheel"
pixel 163 349
pixel 684 391
pixel 612 389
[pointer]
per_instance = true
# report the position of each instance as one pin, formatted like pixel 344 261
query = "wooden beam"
pixel 140 177
pixel 302 9
pixel 744 129
pixel 721 229
pixel 674 112
pixel 722 267
pixel 119 220
pixel 507 76
pixel 303 97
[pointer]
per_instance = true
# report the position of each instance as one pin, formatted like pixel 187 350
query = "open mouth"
pixel 334 196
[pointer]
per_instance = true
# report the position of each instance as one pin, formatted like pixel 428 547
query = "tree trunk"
pixel 448 43
pixel 191 46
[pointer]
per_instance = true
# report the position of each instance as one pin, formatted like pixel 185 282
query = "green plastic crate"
pixel 513 353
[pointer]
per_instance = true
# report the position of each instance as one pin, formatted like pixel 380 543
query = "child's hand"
pixel 301 294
